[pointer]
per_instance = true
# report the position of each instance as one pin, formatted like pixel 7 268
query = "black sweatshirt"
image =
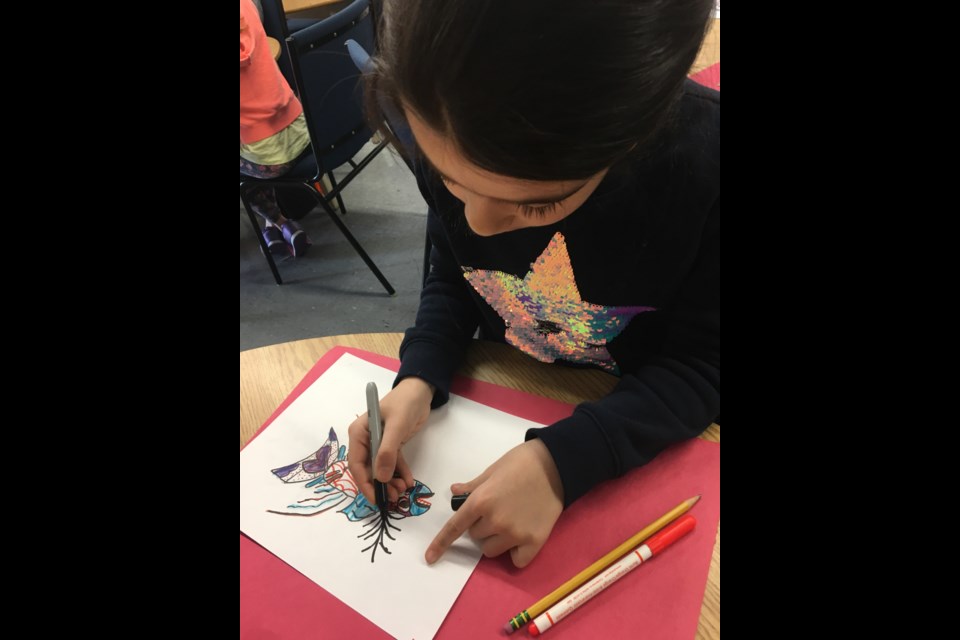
pixel 628 283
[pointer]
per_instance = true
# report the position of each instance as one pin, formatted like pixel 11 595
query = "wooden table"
pixel 269 374
pixel 274 47
pixel 710 51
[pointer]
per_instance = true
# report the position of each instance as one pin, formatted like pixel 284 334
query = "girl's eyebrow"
pixel 527 201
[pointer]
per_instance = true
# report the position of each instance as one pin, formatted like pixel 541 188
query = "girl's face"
pixel 493 203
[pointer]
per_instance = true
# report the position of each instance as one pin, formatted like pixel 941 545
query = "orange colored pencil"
pixel 567 587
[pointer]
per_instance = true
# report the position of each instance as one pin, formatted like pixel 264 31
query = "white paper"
pixel 459 441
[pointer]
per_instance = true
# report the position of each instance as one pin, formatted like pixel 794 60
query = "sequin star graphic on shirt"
pixel 544 314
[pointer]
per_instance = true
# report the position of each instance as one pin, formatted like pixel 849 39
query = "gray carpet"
pixel 330 291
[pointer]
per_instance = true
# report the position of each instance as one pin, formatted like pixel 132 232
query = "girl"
pixel 273 131
pixel 573 180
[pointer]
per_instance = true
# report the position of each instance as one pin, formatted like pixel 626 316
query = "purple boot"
pixel 296 237
pixel 274 239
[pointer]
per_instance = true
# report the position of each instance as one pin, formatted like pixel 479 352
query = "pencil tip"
pixel 694 500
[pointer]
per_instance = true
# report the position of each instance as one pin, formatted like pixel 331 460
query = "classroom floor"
pixel 330 291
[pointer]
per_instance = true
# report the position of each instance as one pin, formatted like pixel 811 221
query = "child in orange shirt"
pixel 273 131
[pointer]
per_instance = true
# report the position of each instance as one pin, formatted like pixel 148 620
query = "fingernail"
pixel 431 556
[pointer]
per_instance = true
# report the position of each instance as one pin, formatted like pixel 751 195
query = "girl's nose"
pixel 487 217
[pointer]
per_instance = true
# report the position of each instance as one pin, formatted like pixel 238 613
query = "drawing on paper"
pixel 326 475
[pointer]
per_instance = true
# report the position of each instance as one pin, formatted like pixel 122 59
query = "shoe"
pixel 296 237
pixel 274 239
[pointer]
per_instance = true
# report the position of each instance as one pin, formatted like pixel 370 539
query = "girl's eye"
pixel 537 210
pixel 530 210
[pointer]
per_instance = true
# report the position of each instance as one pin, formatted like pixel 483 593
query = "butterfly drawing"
pixel 331 485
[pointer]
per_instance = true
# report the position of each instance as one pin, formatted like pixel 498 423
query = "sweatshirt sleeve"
pixel 669 398
pixel 246 36
pixel 447 318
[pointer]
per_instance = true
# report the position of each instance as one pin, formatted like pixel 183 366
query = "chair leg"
pixel 333 181
pixel 426 258
pixel 259 236
pixel 356 246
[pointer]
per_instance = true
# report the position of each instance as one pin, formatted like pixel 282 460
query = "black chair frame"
pixel 296 44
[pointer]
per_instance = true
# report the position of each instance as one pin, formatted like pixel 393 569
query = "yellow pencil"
pixel 547 601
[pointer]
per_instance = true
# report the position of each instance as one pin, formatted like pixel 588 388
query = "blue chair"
pixel 332 104
pixel 401 131
pixel 278 26
pixel 397 123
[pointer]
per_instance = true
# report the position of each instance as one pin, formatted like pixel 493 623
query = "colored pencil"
pixel 550 599
pixel 652 547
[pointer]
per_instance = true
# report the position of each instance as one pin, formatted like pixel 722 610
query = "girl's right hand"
pixel 404 410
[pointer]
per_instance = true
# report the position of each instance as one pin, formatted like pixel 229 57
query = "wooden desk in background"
pixel 274 47
pixel 269 374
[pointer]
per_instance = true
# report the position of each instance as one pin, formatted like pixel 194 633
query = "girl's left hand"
pixel 513 506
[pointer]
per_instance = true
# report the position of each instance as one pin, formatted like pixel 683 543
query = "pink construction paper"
pixel 708 77
pixel 659 600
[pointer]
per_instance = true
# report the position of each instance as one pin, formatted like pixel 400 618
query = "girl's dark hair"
pixel 538 89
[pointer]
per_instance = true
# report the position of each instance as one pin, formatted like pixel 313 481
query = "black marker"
pixel 457 501
pixel 376 435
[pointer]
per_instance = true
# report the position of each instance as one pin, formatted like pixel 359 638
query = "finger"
pixel 495 545
pixel 403 469
pixel 358 457
pixel 453 529
pixel 392 494
pixel 398 485
pixel 469 487
pixel 385 463
pixel 524 553
pixel 483 529
pixel 387 457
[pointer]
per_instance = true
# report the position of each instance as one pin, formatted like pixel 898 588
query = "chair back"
pixel 329 83
pixel 397 122
pixel 275 24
